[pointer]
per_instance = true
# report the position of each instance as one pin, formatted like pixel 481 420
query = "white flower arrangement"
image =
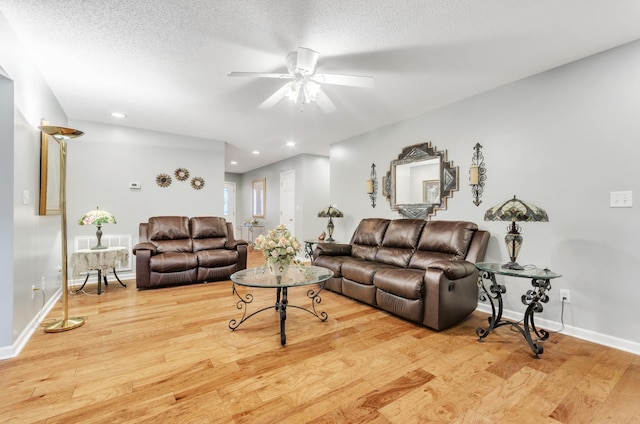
pixel 278 246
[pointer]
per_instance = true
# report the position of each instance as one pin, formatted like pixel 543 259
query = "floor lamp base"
pixel 64 325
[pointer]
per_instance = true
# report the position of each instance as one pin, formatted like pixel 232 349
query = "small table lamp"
pixel 330 213
pixel 515 210
pixel 97 217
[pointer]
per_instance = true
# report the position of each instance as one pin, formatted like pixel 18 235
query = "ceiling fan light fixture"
pixel 303 91
pixel 305 86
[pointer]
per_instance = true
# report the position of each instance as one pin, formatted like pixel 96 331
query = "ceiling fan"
pixel 305 86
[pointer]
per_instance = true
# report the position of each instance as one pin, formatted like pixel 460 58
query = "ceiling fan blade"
pixel 325 103
pixel 307 60
pixel 350 80
pixel 259 75
pixel 275 97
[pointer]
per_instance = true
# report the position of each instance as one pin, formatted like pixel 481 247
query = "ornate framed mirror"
pixel 420 181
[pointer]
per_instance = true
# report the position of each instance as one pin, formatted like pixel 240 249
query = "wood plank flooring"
pixel 168 356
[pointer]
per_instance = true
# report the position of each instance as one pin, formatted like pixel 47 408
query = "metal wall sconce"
pixel 372 185
pixel 477 174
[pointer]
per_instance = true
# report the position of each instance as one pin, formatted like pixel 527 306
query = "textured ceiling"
pixel 165 63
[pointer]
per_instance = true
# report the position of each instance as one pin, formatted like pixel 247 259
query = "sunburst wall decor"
pixel 181 174
pixel 163 180
pixel 197 183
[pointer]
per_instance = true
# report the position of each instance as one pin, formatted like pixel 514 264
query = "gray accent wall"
pixel 562 140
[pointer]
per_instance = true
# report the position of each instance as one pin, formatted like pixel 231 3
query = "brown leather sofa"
pixel 421 271
pixel 176 250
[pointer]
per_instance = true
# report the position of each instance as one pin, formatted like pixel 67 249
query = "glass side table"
pixel 533 298
pixel 308 246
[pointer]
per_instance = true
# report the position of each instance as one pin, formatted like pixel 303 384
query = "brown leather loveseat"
pixel 176 250
pixel 420 270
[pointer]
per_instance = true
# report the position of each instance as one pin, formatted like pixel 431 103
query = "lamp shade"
pixel 97 217
pixel 516 210
pixel 330 212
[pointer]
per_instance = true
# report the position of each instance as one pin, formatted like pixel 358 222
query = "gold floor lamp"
pixel 61 135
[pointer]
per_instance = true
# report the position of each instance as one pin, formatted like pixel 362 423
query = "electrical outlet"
pixel 621 199
pixel 565 295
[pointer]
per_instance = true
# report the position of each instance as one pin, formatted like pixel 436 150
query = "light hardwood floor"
pixel 168 356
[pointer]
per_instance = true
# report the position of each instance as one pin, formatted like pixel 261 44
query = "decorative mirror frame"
pixel 259 197
pixel 49 175
pixel 448 180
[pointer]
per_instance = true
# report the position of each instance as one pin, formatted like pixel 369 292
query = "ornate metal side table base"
pixel 280 306
pixel 533 298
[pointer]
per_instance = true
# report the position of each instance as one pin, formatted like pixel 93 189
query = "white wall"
pixel 103 162
pixel 34 246
pixel 561 140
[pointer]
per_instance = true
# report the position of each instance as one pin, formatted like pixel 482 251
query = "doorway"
pixel 288 200
pixel 230 203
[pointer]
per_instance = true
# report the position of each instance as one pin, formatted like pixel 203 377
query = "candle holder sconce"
pixel 372 186
pixel 477 174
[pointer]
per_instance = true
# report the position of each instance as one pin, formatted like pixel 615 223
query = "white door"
pixel 230 204
pixel 288 200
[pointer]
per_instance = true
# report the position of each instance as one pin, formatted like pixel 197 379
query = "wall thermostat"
pixel 135 185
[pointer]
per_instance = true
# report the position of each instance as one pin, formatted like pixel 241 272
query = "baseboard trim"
pixel 580 333
pixel 14 350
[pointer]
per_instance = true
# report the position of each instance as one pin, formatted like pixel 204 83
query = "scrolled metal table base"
pixel 280 306
pixel 534 298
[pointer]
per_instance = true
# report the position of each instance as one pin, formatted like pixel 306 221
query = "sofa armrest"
pixel 454 270
pixel 233 244
pixel 145 246
pixel 143 269
pixel 451 293
pixel 333 249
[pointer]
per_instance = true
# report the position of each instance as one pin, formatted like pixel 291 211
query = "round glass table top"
pixel 527 272
pixel 295 275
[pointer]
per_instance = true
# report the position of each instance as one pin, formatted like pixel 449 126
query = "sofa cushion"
pixel 362 271
pixel 405 283
pixel 216 258
pixel 170 233
pixel 173 262
pixel 168 228
pixel 368 237
pixel 208 232
pixel 422 260
pixel 334 263
pixel 400 240
pixel 451 237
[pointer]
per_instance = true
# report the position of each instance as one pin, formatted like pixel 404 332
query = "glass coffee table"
pixel 294 276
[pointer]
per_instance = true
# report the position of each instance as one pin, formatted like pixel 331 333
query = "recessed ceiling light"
pixel 118 115
pixel 255 152
pixel 291 143
pixel 233 162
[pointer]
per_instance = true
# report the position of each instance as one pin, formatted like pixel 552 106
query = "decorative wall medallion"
pixel 181 174
pixel 163 180
pixel 197 183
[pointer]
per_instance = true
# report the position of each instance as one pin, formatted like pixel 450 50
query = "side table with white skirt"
pixel 101 260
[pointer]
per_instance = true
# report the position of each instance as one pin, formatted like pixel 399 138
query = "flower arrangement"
pixel 251 221
pixel 278 246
